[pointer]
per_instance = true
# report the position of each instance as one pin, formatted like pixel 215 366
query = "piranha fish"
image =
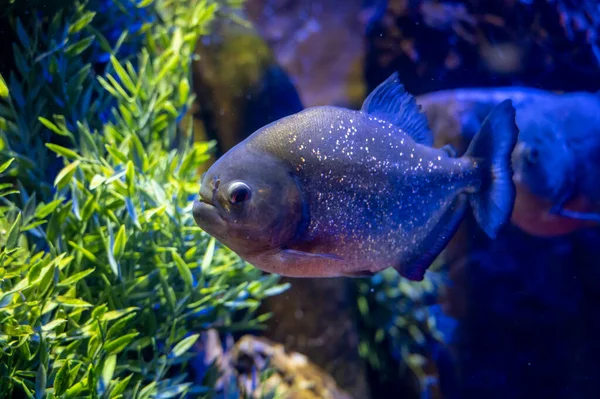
pixel 555 160
pixel 331 192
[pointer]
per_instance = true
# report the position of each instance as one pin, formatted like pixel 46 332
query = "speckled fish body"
pixel 365 190
pixel 374 194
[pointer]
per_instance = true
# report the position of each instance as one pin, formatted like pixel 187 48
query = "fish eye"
pixel 533 155
pixel 239 192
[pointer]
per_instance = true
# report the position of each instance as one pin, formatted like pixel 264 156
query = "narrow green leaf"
pixel 120 387
pixel 147 390
pixel 117 345
pixel 172 391
pixel 108 87
pixel 77 48
pixel 123 75
pixel 208 255
pixel 53 324
pixel 3 88
pixel 73 302
pixel 44 210
pixel 273 291
pixel 88 208
pixel 144 3
pixel 51 126
pixel 115 314
pixel 82 22
pixel 76 389
pixel 155 211
pixel 109 369
pixel 16 88
pixel 65 175
pixel 40 382
pixel 168 66
pixel 118 87
pixel 129 176
pixel 116 153
pixel 6 164
pixel 47 279
pixel 61 379
pixel 184 91
pixel 93 345
pixel 120 243
pixel 110 252
pixel 23 37
pixel 65 152
pixel 74 373
pixel 184 345
pixel 64 261
pixel 97 180
pixel 187 163
pixel 184 270
pixel 4 126
pixel 76 277
pixel 84 252
pixel 13 234
pixel 116 328
pixel 34 271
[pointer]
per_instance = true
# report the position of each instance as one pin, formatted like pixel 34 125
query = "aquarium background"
pixel 110 111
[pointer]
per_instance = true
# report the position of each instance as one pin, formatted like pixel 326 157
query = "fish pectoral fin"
pixel 302 254
pixel 433 244
pixel 585 216
pixel 559 209
pixel 391 102
pixel 449 150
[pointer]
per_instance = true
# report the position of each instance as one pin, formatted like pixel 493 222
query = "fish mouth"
pixel 207 217
pixel 206 214
pixel 204 203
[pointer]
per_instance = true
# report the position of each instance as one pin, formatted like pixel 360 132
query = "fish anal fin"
pixel 583 216
pixel 390 102
pixel 559 210
pixel 429 249
pixel 574 207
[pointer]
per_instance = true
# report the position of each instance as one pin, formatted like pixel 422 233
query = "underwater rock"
pixel 317 317
pixel 294 375
pixel 291 375
pixel 319 43
pixel 437 45
pixel 239 85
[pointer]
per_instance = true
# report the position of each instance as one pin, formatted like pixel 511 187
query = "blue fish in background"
pixel 555 160
pixel 335 192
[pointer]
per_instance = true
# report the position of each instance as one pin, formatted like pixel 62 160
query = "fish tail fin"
pixel 491 149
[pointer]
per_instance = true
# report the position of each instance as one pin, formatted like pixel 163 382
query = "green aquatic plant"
pixel 105 280
pixel 396 325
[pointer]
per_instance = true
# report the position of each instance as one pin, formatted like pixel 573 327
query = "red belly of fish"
pixel 532 215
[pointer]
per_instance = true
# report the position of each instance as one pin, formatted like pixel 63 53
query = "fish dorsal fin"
pixel 390 101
